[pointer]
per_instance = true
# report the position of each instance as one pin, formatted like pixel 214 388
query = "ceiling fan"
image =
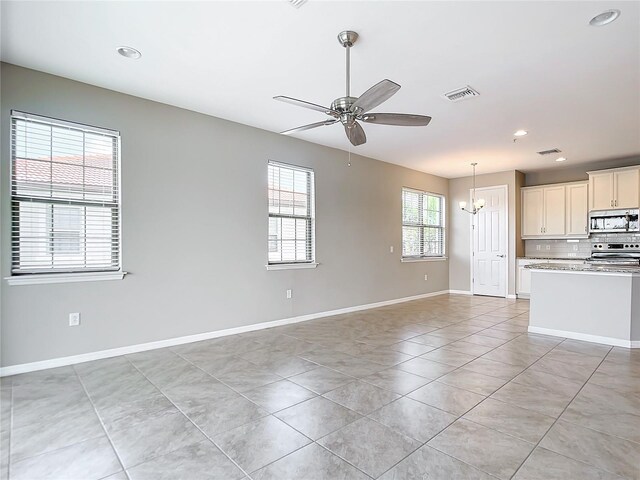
pixel 349 110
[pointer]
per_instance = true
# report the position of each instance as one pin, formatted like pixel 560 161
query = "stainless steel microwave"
pixel 614 221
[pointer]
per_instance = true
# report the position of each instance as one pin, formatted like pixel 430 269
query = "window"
pixel 65 203
pixel 422 224
pixel 291 214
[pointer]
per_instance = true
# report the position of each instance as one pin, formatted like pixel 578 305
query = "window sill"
pixel 424 259
pixel 291 266
pixel 36 279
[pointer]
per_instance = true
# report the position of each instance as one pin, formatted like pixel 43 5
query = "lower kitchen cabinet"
pixel 523 277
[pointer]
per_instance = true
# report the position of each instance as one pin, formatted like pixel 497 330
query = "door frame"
pixel 505 187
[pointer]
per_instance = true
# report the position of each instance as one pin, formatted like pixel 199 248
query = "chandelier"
pixel 476 204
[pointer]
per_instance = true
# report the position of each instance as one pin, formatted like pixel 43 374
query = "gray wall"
pixel 571 173
pixel 460 232
pixel 195 228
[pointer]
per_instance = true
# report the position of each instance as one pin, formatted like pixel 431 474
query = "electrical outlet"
pixel 537 247
pixel 575 248
pixel 571 254
pixel 289 293
pixel 548 247
pixel 426 277
pixel 391 249
pixel 74 319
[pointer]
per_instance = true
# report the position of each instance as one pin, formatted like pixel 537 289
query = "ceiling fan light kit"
pixel 350 110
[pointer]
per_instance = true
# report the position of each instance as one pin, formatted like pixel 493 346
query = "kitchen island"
pixel 594 303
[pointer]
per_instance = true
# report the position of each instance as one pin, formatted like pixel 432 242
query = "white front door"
pixel 489 255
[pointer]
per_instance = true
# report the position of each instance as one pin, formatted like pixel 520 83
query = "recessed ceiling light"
pixel 129 52
pixel 520 133
pixel 604 18
pixel 560 159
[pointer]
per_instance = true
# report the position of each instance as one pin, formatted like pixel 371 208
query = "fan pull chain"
pixel 349 162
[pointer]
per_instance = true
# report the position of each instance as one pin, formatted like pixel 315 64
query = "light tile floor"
pixel 450 387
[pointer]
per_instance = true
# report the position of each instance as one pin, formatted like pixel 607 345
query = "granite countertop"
pixel 586 267
pixel 553 258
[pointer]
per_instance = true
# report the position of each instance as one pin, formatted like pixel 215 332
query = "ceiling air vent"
pixel 461 94
pixel 297 3
pixel 549 152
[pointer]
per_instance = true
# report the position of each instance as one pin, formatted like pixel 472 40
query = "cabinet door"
pixel 524 281
pixel 577 210
pixel 627 188
pixel 532 212
pixel 554 213
pixel 601 191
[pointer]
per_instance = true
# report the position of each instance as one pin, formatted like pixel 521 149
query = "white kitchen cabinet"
pixel 523 278
pixel 615 188
pixel 626 184
pixel 600 191
pixel 532 212
pixel 555 211
pixel 577 210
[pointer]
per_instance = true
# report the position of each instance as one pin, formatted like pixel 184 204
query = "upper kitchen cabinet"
pixel 615 188
pixel 555 211
pixel 532 211
pixel 577 209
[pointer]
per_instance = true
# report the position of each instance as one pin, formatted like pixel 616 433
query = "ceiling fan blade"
pixel 308 127
pixel 401 119
pixel 355 134
pixel 373 97
pixel 302 103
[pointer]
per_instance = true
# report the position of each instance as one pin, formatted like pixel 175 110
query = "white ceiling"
pixel 537 65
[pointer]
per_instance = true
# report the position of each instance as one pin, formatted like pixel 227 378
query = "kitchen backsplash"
pixel 558 248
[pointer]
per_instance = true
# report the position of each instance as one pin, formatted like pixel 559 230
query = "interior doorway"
pixel 489 243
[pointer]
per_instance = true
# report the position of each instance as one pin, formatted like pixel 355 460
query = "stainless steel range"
pixel 617 249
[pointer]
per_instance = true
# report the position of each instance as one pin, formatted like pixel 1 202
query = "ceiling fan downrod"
pixel 347 38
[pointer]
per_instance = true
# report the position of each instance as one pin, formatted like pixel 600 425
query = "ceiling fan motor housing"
pixel 343 105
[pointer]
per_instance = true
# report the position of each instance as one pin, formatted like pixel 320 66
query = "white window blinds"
pixel 65 199
pixel 291 214
pixel 423 229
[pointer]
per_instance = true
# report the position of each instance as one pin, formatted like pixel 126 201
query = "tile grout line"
pixel 322 396
pixel 498 431
pixel 489 396
pixel 506 319
pixel 270 414
pixel 190 421
pixel 563 410
pixel 435 380
pixel 95 410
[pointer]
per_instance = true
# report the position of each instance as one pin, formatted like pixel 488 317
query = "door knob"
pixel 501 256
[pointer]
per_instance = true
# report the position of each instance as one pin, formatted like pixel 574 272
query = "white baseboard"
pixel 468 292
pixel 170 342
pixel 616 342
pixel 512 296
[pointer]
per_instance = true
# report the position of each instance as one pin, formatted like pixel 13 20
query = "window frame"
pixel 310 219
pixel 443 226
pixel 71 274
